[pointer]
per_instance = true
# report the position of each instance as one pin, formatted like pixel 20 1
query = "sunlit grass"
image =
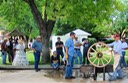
pixel 30 58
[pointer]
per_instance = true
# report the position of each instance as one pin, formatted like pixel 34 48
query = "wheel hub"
pixel 99 55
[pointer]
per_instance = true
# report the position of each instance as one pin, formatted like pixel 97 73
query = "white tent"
pixel 79 32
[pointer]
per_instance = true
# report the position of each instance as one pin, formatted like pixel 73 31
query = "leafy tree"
pixel 120 21
pixel 28 14
pixel 120 24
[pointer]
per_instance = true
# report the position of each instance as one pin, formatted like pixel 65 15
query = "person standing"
pixel 59 47
pixel 20 58
pixel 10 50
pixel 117 51
pixel 86 46
pixel 4 51
pixel 69 56
pixel 77 50
pixel 124 45
pixel 37 49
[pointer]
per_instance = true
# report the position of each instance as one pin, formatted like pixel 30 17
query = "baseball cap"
pixel 116 35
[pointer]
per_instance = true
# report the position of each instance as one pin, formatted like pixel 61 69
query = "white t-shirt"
pixel 124 45
pixel 8 43
pixel 76 42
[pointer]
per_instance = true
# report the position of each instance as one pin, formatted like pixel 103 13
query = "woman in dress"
pixel 20 56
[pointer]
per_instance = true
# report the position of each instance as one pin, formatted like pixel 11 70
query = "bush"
pixel 92 40
pixel 108 41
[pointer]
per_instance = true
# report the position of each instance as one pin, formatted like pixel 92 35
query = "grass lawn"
pixel 30 58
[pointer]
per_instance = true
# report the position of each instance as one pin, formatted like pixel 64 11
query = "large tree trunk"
pixel 45 29
pixel 46 37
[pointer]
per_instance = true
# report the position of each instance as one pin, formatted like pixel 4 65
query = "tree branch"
pixel 36 14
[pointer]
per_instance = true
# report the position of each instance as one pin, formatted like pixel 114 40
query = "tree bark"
pixel 45 29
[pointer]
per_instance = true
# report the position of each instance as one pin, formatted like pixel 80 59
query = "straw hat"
pixel 38 37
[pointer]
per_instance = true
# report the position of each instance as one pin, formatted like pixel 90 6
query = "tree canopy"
pixel 120 22
pixel 74 12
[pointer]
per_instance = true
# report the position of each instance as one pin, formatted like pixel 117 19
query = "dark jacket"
pixel 3 46
pixel 85 48
pixel 54 58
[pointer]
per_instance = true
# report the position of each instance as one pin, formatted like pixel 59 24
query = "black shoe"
pixel 36 70
pixel 118 77
pixel 39 69
pixel 67 78
pixel 73 77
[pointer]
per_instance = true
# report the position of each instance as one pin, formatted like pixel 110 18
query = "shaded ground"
pixel 50 76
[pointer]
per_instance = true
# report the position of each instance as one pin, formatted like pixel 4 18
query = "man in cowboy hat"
pixel 37 49
pixel 117 50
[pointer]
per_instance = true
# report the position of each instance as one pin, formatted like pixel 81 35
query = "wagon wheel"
pixel 99 55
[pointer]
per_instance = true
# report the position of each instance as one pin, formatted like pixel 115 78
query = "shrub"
pixel 108 41
pixel 92 40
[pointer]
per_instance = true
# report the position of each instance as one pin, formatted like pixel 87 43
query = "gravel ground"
pixel 49 76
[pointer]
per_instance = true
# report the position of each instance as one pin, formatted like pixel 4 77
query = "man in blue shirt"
pixel 117 50
pixel 70 56
pixel 37 49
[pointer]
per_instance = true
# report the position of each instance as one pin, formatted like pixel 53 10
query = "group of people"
pixel 72 52
pixel 15 51
pixel 61 51
pixel 119 48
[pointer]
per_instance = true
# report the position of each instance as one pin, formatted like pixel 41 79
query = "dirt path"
pixel 30 76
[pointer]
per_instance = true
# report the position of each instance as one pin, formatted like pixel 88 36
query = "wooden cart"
pixel 99 56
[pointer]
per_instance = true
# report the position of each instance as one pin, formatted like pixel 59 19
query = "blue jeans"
pixel 118 71
pixel 123 59
pixel 69 66
pixel 78 55
pixel 55 65
pixel 60 52
pixel 4 55
pixel 37 59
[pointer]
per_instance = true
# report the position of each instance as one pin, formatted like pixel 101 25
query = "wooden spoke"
pixel 94 61
pixel 94 50
pixel 107 56
pixel 105 59
pixel 102 62
pixel 104 48
pixel 98 62
pixel 101 47
pixel 94 55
